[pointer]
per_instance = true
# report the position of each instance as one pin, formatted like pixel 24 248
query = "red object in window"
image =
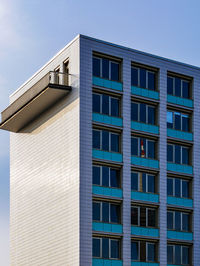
pixel 142 148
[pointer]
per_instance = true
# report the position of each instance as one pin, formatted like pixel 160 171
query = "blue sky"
pixel 32 31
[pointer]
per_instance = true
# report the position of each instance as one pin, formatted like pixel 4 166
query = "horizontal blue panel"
pixel 180 201
pixel 107 191
pixel 179 134
pixel 181 168
pixel 145 92
pixel 108 228
pixel 145 127
pixel 106 119
pixel 107 83
pixel 144 162
pixel 103 262
pixel 179 235
pixel 179 101
pixel 138 263
pixel 144 231
pixel 106 155
pixel 136 195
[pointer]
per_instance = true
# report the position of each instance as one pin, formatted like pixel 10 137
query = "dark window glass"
pixel 185 156
pixel 144 185
pixel 170 82
pixel 134 111
pixel 185 255
pixel 169 153
pixel 169 187
pixel 96 247
pixel 115 213
pixel 114 107
pixel 151 80
pixel 115 249
pixel 177 188
pixel 134 216
pixel 151 115
pixel 105 140
pixel 185 89
pixel 114 71
pixel 151 218
pixel 151 183
pixel 170 254
pixel 169 119
pixel 105 212
pixel 114 178
pixel 96 139
pixel 134 251
pixel 142 78
pixel 177 154
pixel 134 146
pixel 185 123
pixel 185 221
pixel 114 142
pixel 142 216
pixel 151 252
pixel 96 67
pixel 105 68
pixel 96 211
pixel 134 181
pixel 105 248
pixel 142 251
pixel 178 87
pixel 134 76
pixel 96 175
pixel 143 112
pixel 105 104
pixel 169 220
pixel 185 189
pixel 177 221
pixel 105 176
pixel 96 103
pixel 151 149
pixel 177 120
pixel 177 254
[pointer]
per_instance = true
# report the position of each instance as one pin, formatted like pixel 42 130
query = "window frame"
pixel 173 187
pixel 181 215
pixel 139 176
pixel 146 218
pixel 147 71
pixel 109 243
pixel 109 139
pixel 151 243
pixel 181 154
pixel 147 140
pixel 147 114
pixel 174 88
pixel 181 115
pixel 173 250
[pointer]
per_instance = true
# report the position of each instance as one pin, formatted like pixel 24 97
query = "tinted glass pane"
pixel 134 146
pixel 134 251
pixel 178 87
pixel 169 220
pixel 96 139
pixel 177 154
pixel 177 254
pixel 151 252
pixel 114 71
pixel 105 68
pixel 115 249
pixel 177 188
pixel 169 153
pixel 143 216
pixel 105 140
pixel 151 218
pixel 185 256
pixel 105 248
pixel 177 120
pixel 185 222
pixel 105 104
pixel 134 181
pixel 144 183
pixel 170 254
pixel 134 76
pixel 105 212
pixel 169 187
pixel 185 189
pixel 177 221
pixel 115 213
pixel 151 149
pixel 169 119
pixel 105 176
pixel 96 175
pixel 185 89
pixel 96 103
pixel 169 85
pixel 96 211
pixel 185 123
pixel 151 81
pixel 96 67
pixel 134 111
pixel 96 247
pixel 114 107
pixel 114 142
pixel 134 216
pixel 114 178
pixel 143 78
pixel 143 113
pixel 185 155
pixel 151 183
pixel 151 115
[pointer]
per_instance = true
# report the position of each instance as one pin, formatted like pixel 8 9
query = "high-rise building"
pixel 105 160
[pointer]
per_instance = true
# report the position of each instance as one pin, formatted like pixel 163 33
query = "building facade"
pixel 105 160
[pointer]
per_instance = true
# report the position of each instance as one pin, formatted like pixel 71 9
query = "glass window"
pixel 114 142
pixel 151 80
pixel 134 76
pixel 142 78
pixel 185 89
pixel 134 146
pixel 177 254
pixel 96 247
pixel 115 249
pixel 96 67
pixel 105 140
pixel 177 120
pixel 169 186
pixel 170 259
pixel 185 255
pixel 115 213
pixel 185 221
pixel 114 71
pixel 114 178
pixel 143 217
pixel 151 218
pixel 105 68
pixel 96 175
pixel 142 112
pixel 170 220
pixel 170 119
pixel 151 149
pixel 177 188
pixel 177 154
pixel 105 176
pixel 151 115
pixel 144 183
pixel 170 86
pixel 178 87
pixel 134 216
pixel 105 248
pixel 96 211
pixel 150 252
pixel 169 153
pixel 114 107
pixel 134 251
pixel 134 181
pixel 185 123
pixel 105 104
pixel 96 139
pixel 96 103
pixel 177 221
pixel 105 212
pixel 185 189
pixel 185 155
pixel 134 111
pixel 151 183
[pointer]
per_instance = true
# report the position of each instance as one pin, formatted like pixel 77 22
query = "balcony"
pixel 144 231
pixel 144 162
pixel 42 95
pixel 183 202
pixel 107 191
pixel 179 134
pixel 144 127
pixel 145 93
pixel 180 168
pixel 138 263
pixel 185 236
pixel 142 196
pixel 106 119
pixel 109 84
pixel 107 227
pixel 180 101
pixel 106 262
pixel 108 156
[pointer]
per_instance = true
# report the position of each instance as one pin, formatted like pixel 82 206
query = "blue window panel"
pixel 138 263
pixel 106 155
pixel 180 101
pixel 107 227
pixel 104 262
pixel 107 83
pixel 144 127
pixel 135 195
pixel 179 235
pixel 144 162
pixel 186 169
pixel 145 92
pixel 180 201
pixel 106 119
pixel 107 191
pixel 144 231
pixel 179 134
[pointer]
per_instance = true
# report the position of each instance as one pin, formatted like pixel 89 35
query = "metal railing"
pixel 59 78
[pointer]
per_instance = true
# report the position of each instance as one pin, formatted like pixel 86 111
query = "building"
pixel 105 160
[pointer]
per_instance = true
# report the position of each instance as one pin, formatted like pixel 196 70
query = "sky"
pixel 32 31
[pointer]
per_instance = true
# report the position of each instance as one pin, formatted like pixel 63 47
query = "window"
pixel 143 147
pixel 106 212
pixel 106 176
pixel 177 154
pixel 178 121
pixel 177 187
pixel 178 255
pixel 106 68
pixel 105 140
pixel 178 221
pixel 143 216
pixel 105 104
pixel 142 182
pixel 143 251
pixel 141 112
pixel 178 87
pixel 143 78
pixel 106 248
